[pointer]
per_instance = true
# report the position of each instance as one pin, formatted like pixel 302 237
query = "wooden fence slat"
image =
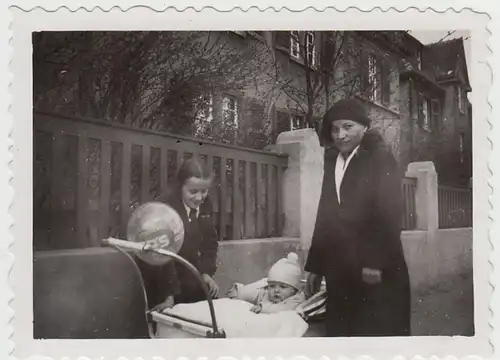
pixel 413 207
pixel 223 198
pixel 248 201
pixel 164 169
pixel 145 183
pixel 82 200
pixel 55 187
pixel 237 201
pixel 105 195
pixel 279 208
pixel 260 215
pixel 212 191
pixel 267 194
pixel 125 183
pixel 269 197
pixel 409 209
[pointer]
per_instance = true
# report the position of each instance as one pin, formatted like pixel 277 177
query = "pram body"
pixel 166 324
pixel 170 325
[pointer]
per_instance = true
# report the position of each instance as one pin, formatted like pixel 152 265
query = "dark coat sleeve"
pixel 209 246
pixel 159 281
pixel 385 239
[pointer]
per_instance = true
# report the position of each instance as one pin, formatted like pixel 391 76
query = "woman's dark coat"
pixel 362 232
pixel 200 248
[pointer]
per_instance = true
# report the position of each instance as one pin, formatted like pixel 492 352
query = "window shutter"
pixel 256 112
pixel 436 114
pixel 283 39
pixel 255 123
pixel 364 75
pixel 420 107
pixel 282 122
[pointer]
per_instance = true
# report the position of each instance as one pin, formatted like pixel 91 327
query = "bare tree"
pixel 334 64
pixel 157 80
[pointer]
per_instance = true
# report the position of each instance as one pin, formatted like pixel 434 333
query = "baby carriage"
pixel 155 232
pixel 171 324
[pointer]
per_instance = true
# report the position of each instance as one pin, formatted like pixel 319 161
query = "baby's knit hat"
pixel 287 271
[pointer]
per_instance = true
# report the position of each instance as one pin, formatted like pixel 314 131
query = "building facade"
pixel 416 94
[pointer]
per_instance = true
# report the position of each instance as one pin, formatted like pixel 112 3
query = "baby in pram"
pixel 241 314
pixel 281 291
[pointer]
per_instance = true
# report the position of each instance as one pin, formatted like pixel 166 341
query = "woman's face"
pixel 194 191
pixel 347 135
pixel 279 291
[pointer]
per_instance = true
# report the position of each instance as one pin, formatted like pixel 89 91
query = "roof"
pixel 443 58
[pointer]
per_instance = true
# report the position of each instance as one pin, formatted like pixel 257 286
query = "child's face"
pixel 194 191
pixel 279 291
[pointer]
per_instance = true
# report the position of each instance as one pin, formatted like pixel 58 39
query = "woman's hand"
pixel 372 276
pixel 313 284
pixel 213 288
pixel 167 304
pixel 256 309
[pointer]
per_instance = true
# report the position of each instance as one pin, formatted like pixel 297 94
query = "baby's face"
pixel 279 291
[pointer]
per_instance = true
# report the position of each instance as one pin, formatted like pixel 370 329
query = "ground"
pixel 444 309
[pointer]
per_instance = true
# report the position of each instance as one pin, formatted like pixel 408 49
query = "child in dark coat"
pixel 172 283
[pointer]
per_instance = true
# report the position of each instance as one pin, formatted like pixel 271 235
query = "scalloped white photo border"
pixel 16 206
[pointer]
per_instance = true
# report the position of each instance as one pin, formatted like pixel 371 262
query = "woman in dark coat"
pixel 172 283
pixel 356 245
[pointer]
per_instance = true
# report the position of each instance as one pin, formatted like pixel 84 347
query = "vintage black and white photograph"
pixel 280 188
pixel 224 184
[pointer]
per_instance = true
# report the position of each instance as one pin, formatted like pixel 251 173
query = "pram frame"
pixel 120 245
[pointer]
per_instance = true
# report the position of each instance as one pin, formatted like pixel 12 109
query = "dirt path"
pixel 446 309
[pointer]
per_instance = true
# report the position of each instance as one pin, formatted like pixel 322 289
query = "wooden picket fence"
pixel 89 175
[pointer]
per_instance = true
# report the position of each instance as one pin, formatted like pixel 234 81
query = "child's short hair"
pixel 193 167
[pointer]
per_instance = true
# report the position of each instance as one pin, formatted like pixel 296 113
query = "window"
pixel 230 109
pixel 374 72
pixel 462 150
pixel 205 109
pixel 294 44
pixel 425 113
pixel 376 78
pixel 424 107
pixel 296 122
pixel 311 48
pixel 419 60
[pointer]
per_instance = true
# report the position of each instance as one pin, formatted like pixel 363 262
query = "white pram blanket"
pixel 235 317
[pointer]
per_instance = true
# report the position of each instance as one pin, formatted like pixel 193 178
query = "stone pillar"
pixel 301 182
pixel 426 196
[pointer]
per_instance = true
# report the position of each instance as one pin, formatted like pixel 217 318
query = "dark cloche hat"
pixel 348 109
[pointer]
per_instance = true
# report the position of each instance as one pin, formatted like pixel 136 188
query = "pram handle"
pixel 123 244
pixel 130 245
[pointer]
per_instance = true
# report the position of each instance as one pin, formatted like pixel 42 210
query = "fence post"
pixel 301 182
pixel 426 195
